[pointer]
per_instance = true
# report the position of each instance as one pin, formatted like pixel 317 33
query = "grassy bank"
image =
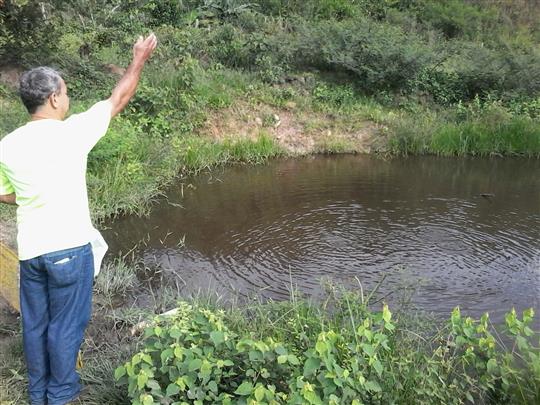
pixel 347 348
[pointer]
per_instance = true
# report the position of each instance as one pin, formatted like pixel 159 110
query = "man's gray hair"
pixel 36 85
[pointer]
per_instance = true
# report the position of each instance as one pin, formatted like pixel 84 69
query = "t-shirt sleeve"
pixel 87 128
pixel 5 185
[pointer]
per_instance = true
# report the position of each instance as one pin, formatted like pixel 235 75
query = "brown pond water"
pixel 457 231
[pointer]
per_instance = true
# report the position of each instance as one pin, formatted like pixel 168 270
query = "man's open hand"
pixel 125 89
pixel 144 47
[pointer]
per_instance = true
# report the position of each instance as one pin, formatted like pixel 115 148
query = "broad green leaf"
pixel 280 350
pixel 148 400
pixel 180 381
pixel 166 355
pixel 212 386
pixel 320 346
pixel 217 337
pixel 373 386
pixel 263 347
pixel 179 352
pixel 292 359
pixel 146 358
pixel 378 367
pixel 246 388
pixel 153 384
pixel 389 326
pixel 255 355
pixel 175 333
pixel 312 398
pixel 387 315
pixel 282 359
pixel 172 389
pixel 492 366
pixel 259 393
pixel 119 372
pixel 311 365
pixel 244 344
pixel 141 380
pixel 194 364
pixel 368 349
pixel 206 368
pixel 522 343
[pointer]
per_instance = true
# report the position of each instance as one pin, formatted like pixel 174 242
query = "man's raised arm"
pixel 126 87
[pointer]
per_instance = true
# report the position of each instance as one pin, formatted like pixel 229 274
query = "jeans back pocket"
pixel 65 267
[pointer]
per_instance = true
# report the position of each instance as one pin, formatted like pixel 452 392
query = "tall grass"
pixel 485 135
pixel 517 136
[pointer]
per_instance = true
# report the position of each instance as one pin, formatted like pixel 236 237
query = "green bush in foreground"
pixel 292 353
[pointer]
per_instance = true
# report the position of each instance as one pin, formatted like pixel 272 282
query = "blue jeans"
pixel 56 303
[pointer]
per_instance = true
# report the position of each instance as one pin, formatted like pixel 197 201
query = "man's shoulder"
pixel 27 134
pixel 102 107
pixel 12 136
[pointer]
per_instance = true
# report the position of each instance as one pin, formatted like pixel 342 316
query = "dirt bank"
pixel 298 131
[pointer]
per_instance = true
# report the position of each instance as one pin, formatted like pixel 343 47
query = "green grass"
pixel 12 366
pixel 486 134
pixel 517 136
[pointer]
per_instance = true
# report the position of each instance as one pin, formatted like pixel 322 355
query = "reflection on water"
pixel 464 231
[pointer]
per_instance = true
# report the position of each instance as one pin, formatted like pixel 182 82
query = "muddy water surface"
pixel 456 231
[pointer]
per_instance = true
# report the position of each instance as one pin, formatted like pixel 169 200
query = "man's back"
pixel 45 163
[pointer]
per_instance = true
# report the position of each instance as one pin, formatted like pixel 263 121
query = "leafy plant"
pixel 292 353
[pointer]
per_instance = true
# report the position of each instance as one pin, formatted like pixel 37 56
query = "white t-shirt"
pixel 44 164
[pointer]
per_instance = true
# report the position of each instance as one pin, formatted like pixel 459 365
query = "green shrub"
pixel 484 71
pixel 335 96
pixel 199 359
pixel 456 18
pixel 298 353
pixel 28 32
pixel 380 56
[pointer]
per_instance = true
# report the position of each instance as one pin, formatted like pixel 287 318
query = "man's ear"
pixel 53 99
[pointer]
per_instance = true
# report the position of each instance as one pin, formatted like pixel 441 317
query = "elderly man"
pixel 43 172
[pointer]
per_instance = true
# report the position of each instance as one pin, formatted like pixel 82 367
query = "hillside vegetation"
pixel 236 80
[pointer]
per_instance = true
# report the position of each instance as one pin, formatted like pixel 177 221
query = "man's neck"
pixel 45 114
